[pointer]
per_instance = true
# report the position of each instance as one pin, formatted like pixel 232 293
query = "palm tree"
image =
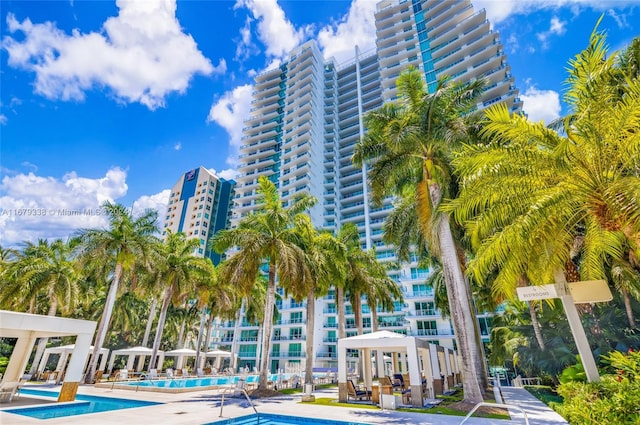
pixel 126 241
pixel 412 141
pixel 49 269
pixel 325 255
pixel 270 234
pixel 530 192
pixel 180 272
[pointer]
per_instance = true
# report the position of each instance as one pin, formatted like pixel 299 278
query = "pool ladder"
pixel 243 391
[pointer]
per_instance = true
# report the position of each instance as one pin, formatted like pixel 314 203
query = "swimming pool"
pixel 194 384
pixel 84 404
pixel 272 419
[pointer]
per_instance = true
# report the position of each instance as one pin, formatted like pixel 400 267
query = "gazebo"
pixel 132 353
pixel 180 353
pixel 64 352
pixel 219 355
pixel 418 360
pixel 28 327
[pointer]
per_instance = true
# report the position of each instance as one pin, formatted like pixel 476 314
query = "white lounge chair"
pixel 153 374
pixel 170 374
pixel 185 373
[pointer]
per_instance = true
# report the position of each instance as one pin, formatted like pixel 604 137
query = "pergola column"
pixel 75 370
pixel 19 358
pixel 414 373
pixel 343 391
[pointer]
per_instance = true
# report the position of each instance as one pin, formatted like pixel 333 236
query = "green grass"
pixel 441 410
pixel 325 401
pixel 289 391
pixel 544 393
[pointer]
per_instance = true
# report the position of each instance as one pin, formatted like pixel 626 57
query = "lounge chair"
pixel 354 392
pixel 8 391
pixel 153 374
pixel 185 373
pixel 398 381
pixel 170 374
pixel 200 373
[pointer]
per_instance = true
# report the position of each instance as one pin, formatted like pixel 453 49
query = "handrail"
pixel 505 406
pixel 243 391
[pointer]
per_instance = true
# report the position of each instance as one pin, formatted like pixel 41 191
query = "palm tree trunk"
pixel 207 339
pixel 537 330
pixel 357 313
pixel 152 315
pixel 311 311
pixel 104 324
pixel 461 308
pixel 236 337
pixel 374 318
pixel 42 343
pixel 267 326
pixel 163 317
pixel 628 309
pixel 342 332
pixel 203 320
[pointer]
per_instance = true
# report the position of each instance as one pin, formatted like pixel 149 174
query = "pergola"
pixel 418 360
pixel 28 327
pixel 180 353
pixel 65 351
pixel 132 353
pixel 219 355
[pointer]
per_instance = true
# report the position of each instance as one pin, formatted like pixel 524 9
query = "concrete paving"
pixel 203 407
pixel 538 413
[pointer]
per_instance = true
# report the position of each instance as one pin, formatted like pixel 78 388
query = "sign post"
pixel 586 292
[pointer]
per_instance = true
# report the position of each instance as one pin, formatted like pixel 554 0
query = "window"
pixel 209 199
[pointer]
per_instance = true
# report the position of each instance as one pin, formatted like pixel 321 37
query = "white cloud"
pixel 227 174
pixel 357 27
pixel 230 111
pixel 276 32
pixel 46 207
pixel 541 104
pixel 36 207
pixel 177 146
pixel 556 27
pixel 499 10
pixel 141 55
pixel 157 202
pixel 3 119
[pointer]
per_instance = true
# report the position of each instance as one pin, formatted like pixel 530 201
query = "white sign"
pixel 542 292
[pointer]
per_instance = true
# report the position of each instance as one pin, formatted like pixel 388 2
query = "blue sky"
pixel 104 100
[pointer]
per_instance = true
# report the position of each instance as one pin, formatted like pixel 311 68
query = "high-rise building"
pixel 306 118
pixel 199 206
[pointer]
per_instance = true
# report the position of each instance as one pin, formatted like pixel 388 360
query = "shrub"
pixel 614 400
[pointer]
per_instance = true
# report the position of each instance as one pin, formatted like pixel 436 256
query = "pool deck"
pixel 204 407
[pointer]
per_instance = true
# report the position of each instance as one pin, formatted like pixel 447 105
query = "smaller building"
pixel 199 206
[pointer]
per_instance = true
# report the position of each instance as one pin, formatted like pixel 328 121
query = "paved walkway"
pixel 538 413
pixel 203 407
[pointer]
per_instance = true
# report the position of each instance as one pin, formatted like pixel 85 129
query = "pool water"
pixel 84 404
pixel 271 419
pixel 203 382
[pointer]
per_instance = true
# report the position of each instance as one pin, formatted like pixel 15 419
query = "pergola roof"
pixel 218 353
pixel 16 325
pixel 180 352
pixel 139 350
pixel 389 341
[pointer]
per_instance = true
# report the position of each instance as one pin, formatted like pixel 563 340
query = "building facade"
pixel 306 118
pixel 199 206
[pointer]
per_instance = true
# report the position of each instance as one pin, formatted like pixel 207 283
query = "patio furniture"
pixel 357 393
